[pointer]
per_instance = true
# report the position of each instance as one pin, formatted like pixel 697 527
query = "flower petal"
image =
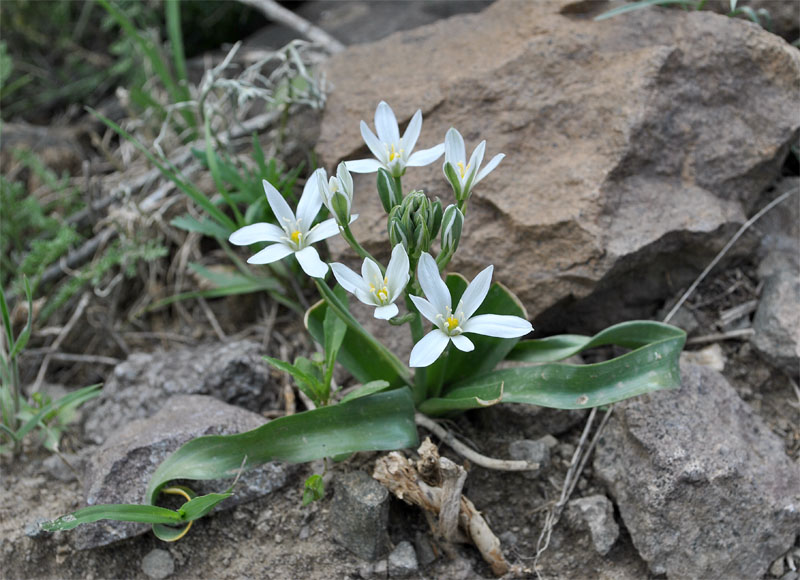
pixel 345 179
pixel 376 146
pixel 425 308
pixel 310 201
pixel 426 156
pixel 454 147
pixel 476 292
pixel 261 232
pixel 411 134
pixel 427 350
pixel 397 272
pixel 499 325
pixel 463 343
pixel 371 273
pixel 348 279
pixel 477 158
pixel 322 231
pixel 364 165
pixel 310 262
pixel 490 167
pixel 386 124
pixel 279 206
pixel 271 253
pixel 431 281
pixel 386 312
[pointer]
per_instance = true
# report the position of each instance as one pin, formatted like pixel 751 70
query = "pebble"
pixel 158 564
pixel 403 561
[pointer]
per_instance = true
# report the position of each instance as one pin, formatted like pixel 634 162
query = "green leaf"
pixel 637 6
pixel 368 389
pixel 73 399
pixel 207 227
pixel 314 489
pixel 148 514
pixel 652 366
pixel 306 382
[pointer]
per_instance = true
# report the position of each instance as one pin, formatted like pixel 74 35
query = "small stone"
pixel 424 549
pixel 776 568
pixel 596 513
pixel 549 440
pixel 565 450
pixel 56 467
pixel 532 451
pixel 790 576
pixel 34 529
pixel 403 561
pixel 158 564
pixel 360 515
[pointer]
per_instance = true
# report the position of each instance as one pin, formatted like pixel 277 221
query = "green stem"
pixel 418 391
pixel 398 181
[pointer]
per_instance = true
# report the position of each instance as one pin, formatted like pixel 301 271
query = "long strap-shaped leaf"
pixel 652 366
pixel 381 421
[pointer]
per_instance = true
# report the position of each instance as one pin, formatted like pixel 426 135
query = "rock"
pixel 632 146
pixel 424 549
pixel 158 564
pixel 782 16
pixel 777 322
pixel 360 515
pixel 776 568
pixel 119 471
pixel 710 356
pixel 57 466
pixel 780 232
pixel 403 561
pixel 534 451
pixel 232 372
pixel 596 514
pixel 702 484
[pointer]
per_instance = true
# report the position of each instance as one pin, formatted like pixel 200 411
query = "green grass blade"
pixel 368 389
pixel 147 514
pixel 175 35
pixel 630 7
pixel 76 398
pixel 650 367
pixel 22 340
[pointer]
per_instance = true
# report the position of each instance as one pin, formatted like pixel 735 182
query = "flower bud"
pixel 452 223
pixel 415 223
pixel 388 191
pixel 337 193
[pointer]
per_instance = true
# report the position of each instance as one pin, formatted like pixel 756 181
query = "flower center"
pixel 462 169
pixel 451 322
pixel 394 153
pixel 382 293
pixel 295 236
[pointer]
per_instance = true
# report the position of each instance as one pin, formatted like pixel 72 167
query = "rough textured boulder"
pixel 633 144
pixel 120 470
pixel 704 487
pixel 233 372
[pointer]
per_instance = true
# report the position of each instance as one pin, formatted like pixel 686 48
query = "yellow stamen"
pixel 463 170
pixel 296 235
pixel 394 153
pixel 451 322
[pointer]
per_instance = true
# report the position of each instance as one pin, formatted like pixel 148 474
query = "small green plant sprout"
pixel 41 416
pixel 474 326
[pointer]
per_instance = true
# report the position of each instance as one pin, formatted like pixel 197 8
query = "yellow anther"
pixel 451 322
pixel 394 153
pixel 296 235
pixel 463 170
pixel 383 294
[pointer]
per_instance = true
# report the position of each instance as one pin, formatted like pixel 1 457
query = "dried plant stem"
pixel 720 336
pixel 488 462
pixel 278 13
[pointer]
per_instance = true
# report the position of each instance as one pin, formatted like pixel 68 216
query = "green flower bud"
pixel 415 223
pixel 452 223
pixel 388 191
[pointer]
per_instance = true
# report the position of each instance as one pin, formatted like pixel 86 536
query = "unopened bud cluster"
pixel 415 223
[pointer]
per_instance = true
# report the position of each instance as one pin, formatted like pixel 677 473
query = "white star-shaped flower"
pixel 295 234
pixel 450 325
pixel 372 287
pixel 392 152
pixel 465 174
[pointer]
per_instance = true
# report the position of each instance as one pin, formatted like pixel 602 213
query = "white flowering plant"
pixel 472 326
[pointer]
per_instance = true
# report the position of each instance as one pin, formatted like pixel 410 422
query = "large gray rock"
pixel 704 487
pixel 120 470
pixel 360 515
pixel 632 145
pixel 777 321
pixel 233 372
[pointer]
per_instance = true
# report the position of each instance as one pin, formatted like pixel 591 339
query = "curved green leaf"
pixel 147 514
pixel 650 367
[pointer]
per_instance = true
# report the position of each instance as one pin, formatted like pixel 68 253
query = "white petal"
pixel 476 292
pixel 310 201
pixel 348 279
pixel 345 179
pixel 397 272
pixel 499 325
pixel 426 309
pixel 489 167
pixel 427 350
pixel 412 133
pixel 322 231
pixel 386 312
pixel 260 232
pixel 279 206
pixel 426 156
pixel 435 289
pixel 386 124
pixel 454 147
pixel 477 157
pixel 375 145
pixel 364 165
pixel 270 254
pixel 371 273
pixel 463 343
pixel 310 262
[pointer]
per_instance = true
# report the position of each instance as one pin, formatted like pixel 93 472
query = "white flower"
pixel 451 324
pixel 337 193
pixel 390 151
pixel 372 287
pixel 465 174
pixel 295 234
